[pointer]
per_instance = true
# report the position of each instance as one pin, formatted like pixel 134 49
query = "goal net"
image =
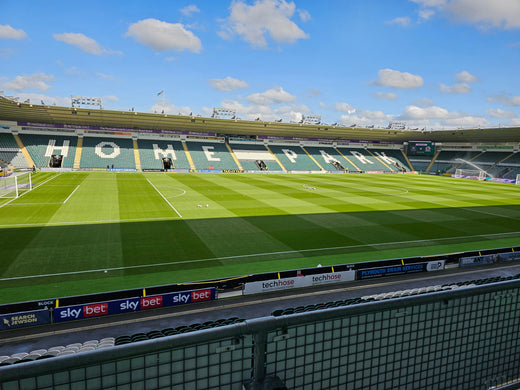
pixel 15 185
pixel 517 178
pixel 476 174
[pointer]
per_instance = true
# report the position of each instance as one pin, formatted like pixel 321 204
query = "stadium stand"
pixel 329 158
pixel 392 157
pixel 363 159
pixel 41 147
pixel 251 157
pixel 447 160
pixel 211 155
pixel 153 151
pixel 294 158
pixel 102 152
pixel 10 153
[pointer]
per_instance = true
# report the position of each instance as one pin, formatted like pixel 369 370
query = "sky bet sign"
pixel 69 313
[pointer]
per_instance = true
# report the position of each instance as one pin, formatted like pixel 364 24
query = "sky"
pixel 434 64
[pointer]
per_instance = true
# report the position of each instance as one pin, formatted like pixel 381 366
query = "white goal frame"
pixel 476 174
pixel 15 185
pixel 517 178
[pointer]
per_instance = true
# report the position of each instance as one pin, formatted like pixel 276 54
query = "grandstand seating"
pixel 325 155
pixel 152 152
pixel 10 153
pixel 41 147
pixel 363 159
pixel 392 157
pixel 211 155
pixel 248 154
pixel 102 152
pixel 294 158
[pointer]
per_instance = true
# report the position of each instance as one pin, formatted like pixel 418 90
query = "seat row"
pixel 391 295
pixel 59 350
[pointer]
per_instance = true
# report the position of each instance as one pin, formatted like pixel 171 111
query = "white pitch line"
pixel 72 193
pixel 39 185
pixel 166 200
pixel 259 255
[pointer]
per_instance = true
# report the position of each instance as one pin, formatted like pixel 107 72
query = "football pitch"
pixel 80 233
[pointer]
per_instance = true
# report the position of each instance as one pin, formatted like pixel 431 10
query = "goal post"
pixel 476 174
pixel 15 185
pixel 518 178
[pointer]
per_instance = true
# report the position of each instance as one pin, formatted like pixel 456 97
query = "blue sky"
pixel 433 63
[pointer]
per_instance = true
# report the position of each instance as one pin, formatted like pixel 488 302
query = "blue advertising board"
pixel 25 318
pixel 69 313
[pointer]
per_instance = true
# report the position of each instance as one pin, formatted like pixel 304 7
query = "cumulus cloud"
pixel 227 84
pixel 265 17
pixel 289 112
pixel 386 95
pixel 506 99
pixel 168 107
pixel 8 32
pixel 88 45
pixel 37 98
pixel 189 10
pixel 271 96
pixel 441 117
pixel 32 81
pixel 423 102
pixel 466 77
pixel 163 36
pixel 396 79
pixel 344 107
pixel 457 88
pixel 367 118
pixel 305 16
pixel 499 113
pixel 502 14
pixel 402 21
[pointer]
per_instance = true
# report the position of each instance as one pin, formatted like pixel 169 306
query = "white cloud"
pixel 367 118
pixel 437 117
pixel 162 36
pixel 386 95
pixel 292 112
pixel 266 17
pixel 228 84
pixel 344 107
pixel 466 77
pixel 189 10
pixel 396 79
pixel 8 32
pixel 166 106
pixel 85 43
pixel 503 14
pixel 499 113
pixel 271 96
pixel 426 14
pixel 497 13
pixel 506 99
pixel 305 16
pixel 457 88
pixel 33 81
pixel 5 53
pixel 402 20
pixel 37 98
pixel 104 76
pixel 110 98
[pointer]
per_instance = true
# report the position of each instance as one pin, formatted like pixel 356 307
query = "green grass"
pixel 147 229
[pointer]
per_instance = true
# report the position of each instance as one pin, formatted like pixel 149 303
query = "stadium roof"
pixel 24 112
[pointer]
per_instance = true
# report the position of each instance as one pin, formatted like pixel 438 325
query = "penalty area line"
pixel 296 251
pixel 166 200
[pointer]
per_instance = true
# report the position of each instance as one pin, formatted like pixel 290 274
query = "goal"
pixel 15 185
pixel 476 174
pixel 517 178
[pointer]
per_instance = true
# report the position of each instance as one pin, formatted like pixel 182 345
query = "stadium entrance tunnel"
pixel 167 163
pixel 55 161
